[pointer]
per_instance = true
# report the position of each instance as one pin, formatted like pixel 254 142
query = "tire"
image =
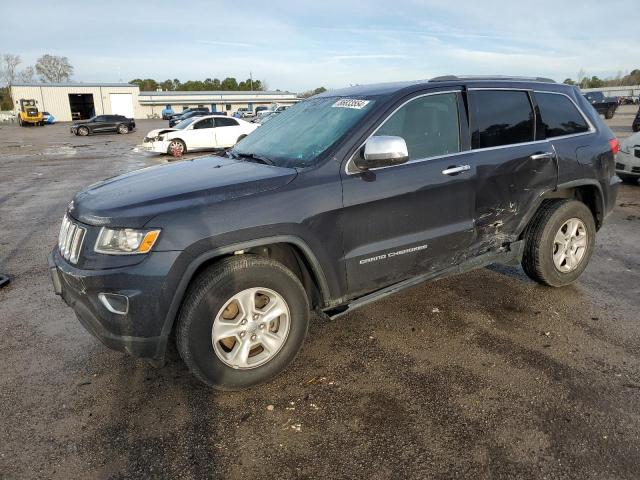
pixel 609 113
pixel 20 122
pixel 122 129
pixel 82 131
pixel 240 138
pixel 626 178
pixel 178 143
pixel 540 243
pixel 211 296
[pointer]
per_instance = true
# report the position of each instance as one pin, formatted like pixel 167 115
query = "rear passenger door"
pixel 409 219
pixel 227 132
pixel 202 134
pixel 514 163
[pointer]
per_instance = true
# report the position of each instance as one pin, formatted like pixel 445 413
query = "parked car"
pixel 167 112
pixel 635 126
pixel 189 110
pixel 260 109
pixel 208 132
pixel 48 119
pixel 194 113
pixel 604 105
pixel 245 112
pixel 264 118
pixel 343 199
pixel 103 124
pixel 628 160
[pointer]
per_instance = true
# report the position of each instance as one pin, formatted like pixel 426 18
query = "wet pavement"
pixel 482 375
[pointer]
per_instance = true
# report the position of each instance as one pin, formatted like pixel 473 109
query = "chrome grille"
pixel 70 239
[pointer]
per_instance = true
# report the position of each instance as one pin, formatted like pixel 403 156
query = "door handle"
pixel 541 156
pixel 456 170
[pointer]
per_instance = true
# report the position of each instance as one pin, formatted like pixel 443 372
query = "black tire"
pixel 537 260
pixel 609 113
pixel 177 141
pixel 206 296
pixel 82 131
pixel 122 129
pixel 626 178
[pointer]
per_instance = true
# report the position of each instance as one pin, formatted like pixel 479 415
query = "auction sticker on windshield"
pixel 351 103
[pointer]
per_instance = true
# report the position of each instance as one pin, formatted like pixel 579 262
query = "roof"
pixel 211 92
pixel 74 84
pixel 449 80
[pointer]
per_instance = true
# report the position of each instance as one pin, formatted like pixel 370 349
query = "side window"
pixel 500 117
pixel 559 115
pixel 429 126
pixel 226 122
pixel 101 118
pixel 206 123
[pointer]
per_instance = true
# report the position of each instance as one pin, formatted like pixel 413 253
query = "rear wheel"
pixel 122 129
pixel 559 243
pixel 609 113
pixel 83 131
pixel 243 321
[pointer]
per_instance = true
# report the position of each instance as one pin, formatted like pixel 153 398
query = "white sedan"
pixel 209 132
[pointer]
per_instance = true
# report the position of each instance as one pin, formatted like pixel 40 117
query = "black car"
pixel 195 113
pixel 606 106
pixel 342 199
pixel 189 110
pixel 102 124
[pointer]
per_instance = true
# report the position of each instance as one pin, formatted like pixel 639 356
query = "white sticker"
pixel 351 103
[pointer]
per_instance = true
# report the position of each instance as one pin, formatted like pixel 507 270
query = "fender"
pixel 196 262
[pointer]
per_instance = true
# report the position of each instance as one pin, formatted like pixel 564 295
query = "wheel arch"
pixel 290 250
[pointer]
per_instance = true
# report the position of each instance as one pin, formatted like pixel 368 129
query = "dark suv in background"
pixel 104 124
pixel 342 199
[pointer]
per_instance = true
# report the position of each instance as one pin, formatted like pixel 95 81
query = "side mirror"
pixel 383 151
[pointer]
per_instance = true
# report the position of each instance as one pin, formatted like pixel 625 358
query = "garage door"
pixel 122 104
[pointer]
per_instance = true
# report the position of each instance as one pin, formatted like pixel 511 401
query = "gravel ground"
pixel 483 375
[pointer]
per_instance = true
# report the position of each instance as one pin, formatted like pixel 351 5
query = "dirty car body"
pixel 463 200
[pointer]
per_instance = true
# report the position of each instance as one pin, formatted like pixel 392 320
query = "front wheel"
pixel 559 242
pixel 82 131
pixel 243 321
pixel 177 148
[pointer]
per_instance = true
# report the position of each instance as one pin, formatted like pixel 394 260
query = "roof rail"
pixel 448 78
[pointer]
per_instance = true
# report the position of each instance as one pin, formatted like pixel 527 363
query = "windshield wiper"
pixel 252 156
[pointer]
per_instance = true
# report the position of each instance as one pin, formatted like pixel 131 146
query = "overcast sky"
pixel 298 45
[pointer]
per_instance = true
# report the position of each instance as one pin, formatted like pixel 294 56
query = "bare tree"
pixel 54 69
pixel 8 68
pixel 26 75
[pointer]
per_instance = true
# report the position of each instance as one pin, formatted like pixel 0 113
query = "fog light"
pixel 118 304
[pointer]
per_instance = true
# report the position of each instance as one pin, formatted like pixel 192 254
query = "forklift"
pixel 29 114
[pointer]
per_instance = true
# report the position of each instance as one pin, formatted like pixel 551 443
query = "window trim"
pixel 592 128
pixel 351 169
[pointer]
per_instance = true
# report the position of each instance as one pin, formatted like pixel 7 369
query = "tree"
pixel 8 68
pixel 568 81
pixel 311 93
pixel 54 69
pixel 26 75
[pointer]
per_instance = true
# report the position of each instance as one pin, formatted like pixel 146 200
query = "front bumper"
pixel 158 147
pixel 628 163
pixel 140 331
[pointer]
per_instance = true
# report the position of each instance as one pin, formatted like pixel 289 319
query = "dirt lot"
pixel 486 375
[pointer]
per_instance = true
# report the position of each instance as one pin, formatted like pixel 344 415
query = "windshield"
pixel 300 134
pixel 185 123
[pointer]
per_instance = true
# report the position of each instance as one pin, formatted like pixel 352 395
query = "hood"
pixel 630 142
pixel 160 131
pixel 131 200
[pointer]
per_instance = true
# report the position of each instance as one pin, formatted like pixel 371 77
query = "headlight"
pixel 624 149
pixel 125 241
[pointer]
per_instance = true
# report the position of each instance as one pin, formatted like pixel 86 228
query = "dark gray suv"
pixel 340 200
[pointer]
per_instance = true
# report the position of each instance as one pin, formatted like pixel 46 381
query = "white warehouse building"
pixel 78 101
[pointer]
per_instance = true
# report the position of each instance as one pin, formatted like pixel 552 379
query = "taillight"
pixel 615 145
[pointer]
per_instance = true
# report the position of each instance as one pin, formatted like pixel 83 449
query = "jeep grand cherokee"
pixel 340 200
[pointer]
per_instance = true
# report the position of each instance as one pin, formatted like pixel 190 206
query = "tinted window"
pixel 226 122
pixel 428 124
pixel 500 118
pixel 100 118
pixel 559 115
pixel 206 123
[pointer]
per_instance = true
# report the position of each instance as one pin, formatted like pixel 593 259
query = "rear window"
pixel 226 122
pixel 559 115
pixel 500 118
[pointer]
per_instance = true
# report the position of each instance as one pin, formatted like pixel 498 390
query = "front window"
pixel 185 123
pixel 300 134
